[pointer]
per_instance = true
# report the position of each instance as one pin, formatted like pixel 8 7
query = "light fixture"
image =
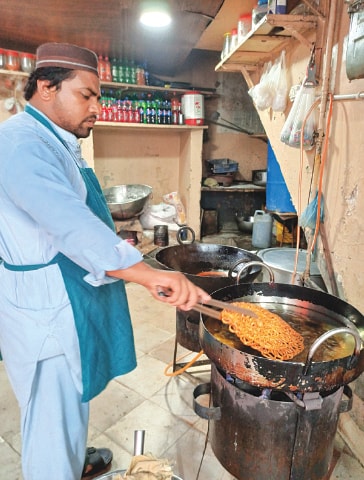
pixel 155 13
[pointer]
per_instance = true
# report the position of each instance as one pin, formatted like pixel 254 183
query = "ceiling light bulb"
pixel 155 19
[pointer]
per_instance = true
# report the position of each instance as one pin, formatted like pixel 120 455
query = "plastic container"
pixel 223 165
pixel 262 229
pixel 258 13
pixel 278 198
pixel 244 26
pixel 12 60
pixel 234 39
pixel 193 108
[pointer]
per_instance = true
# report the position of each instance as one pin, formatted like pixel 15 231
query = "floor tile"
pixel 149 400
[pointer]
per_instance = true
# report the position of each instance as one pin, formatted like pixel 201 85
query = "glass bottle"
pixel 226 45
pixel 114 70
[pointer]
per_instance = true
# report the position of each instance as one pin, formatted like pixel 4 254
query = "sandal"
pixel 97 462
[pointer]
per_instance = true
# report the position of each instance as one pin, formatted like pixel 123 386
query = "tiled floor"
pixel 147 399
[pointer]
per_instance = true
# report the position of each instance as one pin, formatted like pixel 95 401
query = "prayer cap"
pixel 66 55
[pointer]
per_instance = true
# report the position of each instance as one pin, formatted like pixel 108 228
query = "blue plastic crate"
pixel 223 165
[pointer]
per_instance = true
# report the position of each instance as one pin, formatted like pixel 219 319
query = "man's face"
pixel 76 104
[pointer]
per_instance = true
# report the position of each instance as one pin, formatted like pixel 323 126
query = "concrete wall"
pixel 343 185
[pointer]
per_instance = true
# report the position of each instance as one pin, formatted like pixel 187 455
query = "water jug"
pixel 262 229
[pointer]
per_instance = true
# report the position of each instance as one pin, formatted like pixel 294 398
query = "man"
pixel 65 329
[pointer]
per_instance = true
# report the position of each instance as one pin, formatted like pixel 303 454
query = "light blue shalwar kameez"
pixel 43 212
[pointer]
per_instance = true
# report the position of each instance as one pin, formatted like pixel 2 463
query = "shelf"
pixel 123 86
pixel 124 125
pixel 267 39
pixel 13 73
pixel 151 88
pixel 237 188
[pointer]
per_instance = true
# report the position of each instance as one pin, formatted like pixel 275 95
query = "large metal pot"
pixel 311 310
pixel 219 263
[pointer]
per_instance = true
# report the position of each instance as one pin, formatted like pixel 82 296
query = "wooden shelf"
pixel 13 73
pixel 266 40
pixel 149 126
pixel 150 88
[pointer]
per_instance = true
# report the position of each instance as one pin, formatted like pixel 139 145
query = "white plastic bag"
pixel 262 93
pixel 174 199
pixel 291 132
pixel 161 214
pixel 279 81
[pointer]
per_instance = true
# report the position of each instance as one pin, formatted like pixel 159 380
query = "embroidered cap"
pixel 67 56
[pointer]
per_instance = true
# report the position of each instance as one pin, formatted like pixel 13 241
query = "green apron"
pixel 101 313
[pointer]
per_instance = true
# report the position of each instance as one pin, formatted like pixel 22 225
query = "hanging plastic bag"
pixel 280 87
pixel 174 199
pixel 262 93
pixel 291 132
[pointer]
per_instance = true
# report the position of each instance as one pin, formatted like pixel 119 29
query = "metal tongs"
pixel 211 312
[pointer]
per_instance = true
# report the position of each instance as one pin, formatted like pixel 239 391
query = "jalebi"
pixel 268 333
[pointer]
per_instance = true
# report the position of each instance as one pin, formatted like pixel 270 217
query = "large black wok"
pixel 196 258
pixel 320 311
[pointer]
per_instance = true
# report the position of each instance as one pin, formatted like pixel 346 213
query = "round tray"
pixel 110 475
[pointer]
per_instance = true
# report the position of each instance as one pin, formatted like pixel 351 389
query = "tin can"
pixel 161 235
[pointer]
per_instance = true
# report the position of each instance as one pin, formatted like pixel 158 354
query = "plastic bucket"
pixel 262 229
pixel 193 108
pixel 278 198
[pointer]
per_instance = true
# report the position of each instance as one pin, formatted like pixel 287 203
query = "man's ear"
pixel 44 90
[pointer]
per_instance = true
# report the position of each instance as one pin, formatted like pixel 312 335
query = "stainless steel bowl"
pixel 127 201
pixel 245 224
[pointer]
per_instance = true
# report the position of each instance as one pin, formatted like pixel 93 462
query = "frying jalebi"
pixel 268 333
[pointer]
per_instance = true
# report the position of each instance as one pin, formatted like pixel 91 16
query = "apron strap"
pixel 27 268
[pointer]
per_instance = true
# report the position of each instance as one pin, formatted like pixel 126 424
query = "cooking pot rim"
pixel 284 375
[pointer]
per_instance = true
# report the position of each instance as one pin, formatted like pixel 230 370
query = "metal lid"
pixel 284 259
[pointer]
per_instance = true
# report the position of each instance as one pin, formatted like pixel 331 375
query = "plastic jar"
pixel 244 25
pixel 277 6
pixel 234 39
pixel 12 60
pixel 226 45
pixel 193 108
pixel 262 229
pixel 27 62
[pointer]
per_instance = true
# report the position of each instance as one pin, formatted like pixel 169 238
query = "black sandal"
pixel 97 462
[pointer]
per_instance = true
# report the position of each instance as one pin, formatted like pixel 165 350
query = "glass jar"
pixel 12 61
pixel 226 45
pixel 27 62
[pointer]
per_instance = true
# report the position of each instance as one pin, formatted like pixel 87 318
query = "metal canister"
pixel 161 235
